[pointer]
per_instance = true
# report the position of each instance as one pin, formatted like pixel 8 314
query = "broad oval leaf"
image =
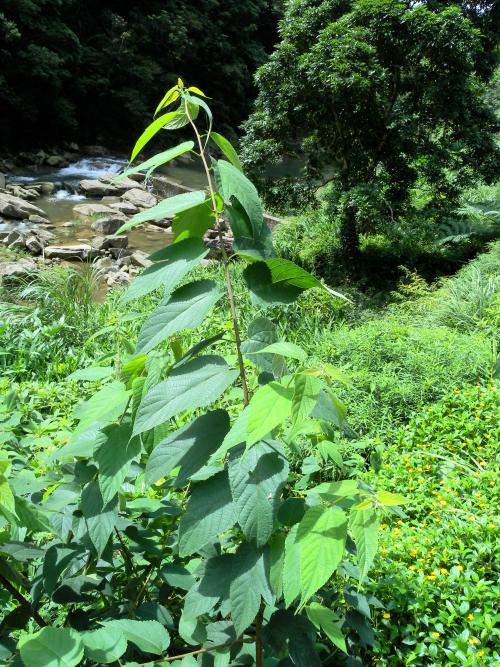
pixel 210 511
pixel 227 148
pixel 364 526
pixel 269 407
pixel 159 159
pixel 196 384
pixel 150 132
pixel 148 636
pixel 104 645
pixel 51 647
pixel 184 309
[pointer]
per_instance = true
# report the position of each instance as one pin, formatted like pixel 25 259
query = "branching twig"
pixel 24 602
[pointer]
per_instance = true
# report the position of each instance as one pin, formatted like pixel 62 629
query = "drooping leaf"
pixel 236 436
pixel 364 526
pixel 174 263
pixel 251 234
pixel 277 281
pixel 302 651
pixel 196 384
pixel 185 308
pixel 189 448
pixel 261 334
pixel 391 499
pixel 248 583
pixel 346 488
pixel 159 159
pixel 150 131
pixel 305 396
pixel 148 636
pixel 276 563
pixel 210 511
pixel 269 407
pixel 169 98
pixel 227 148
pixel 256 478
pixel 291 567
pixel 330 408
pixel 167 208
pixel 325 619
pixel 51 647
pixel 114 458
pixel 321 534
pixel 99 518
pixel 82 444
pixel 104 645
pixel 58 558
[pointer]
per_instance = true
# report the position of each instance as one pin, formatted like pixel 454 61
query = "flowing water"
pixel 58 207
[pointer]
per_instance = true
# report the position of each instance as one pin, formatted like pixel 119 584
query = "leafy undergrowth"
pixel 436 574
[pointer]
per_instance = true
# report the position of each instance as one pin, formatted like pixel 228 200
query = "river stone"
pixel 106 242
pixel 125 207
pixel 118 278
pixel 43 234
pixel 12 271
pixel 2 180
pixel 54 160
pixel 34 245
pixel 116 253
pixel 46 187
pixel 94 188
pixel 140 198
pixel 123 184
pixel 140 258
pixel 15 207
pixel 37 219
pixel 22 193
pixel 89 210
pixel 82 251
pixel 104 264
pixel 109 224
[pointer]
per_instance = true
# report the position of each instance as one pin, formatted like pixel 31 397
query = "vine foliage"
pixel 173 526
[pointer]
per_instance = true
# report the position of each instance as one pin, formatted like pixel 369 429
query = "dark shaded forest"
pixel 86 71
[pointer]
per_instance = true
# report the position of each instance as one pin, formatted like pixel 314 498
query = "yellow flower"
pixel 436 634
pixel 460 568
pixel 387 615
pixel 443 570
pixel 412 567
pixel 470 617
pixel 473 641
pixel 481 653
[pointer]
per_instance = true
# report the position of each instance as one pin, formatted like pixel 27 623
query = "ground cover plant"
pixel 153 531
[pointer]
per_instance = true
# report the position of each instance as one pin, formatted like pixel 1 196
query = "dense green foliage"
pixel 378 97
pixel 73 69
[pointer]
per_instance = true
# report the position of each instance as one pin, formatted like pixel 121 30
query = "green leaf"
pixel 7 500
pixel 165 209
pixel 364 526
pixel 285 349
pixel 186 308
pixel 236 436
pixel 196 384
pixel 170 97
pixel 189 448
pixel 51 647
pixel 261 334
pixel 248 583
pixel 251 234
pixel 210 511
pixel 256 478
pixel 227 148
pixel 269 407
pixel 81 444
pixel 321 534
pixel 175 262
pixel 92 373
pixel 99 518
pixel 305 397
pixel 291 567
pixel 325 619
pixel 159 159
pixel 277 281
pixel 148 636
pixel 103 407
pixel 114 458
pixel 347 488
pixel 150 131
pixel 330 408
pixel 104 645
pixel 193 222
pixel 276 563
pixel 391 499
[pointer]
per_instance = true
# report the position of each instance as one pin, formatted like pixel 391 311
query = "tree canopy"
pixel 384 93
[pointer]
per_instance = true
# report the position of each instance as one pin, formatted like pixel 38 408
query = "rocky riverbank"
pixel 104 204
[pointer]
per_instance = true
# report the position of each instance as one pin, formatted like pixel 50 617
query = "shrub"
pixel 436 572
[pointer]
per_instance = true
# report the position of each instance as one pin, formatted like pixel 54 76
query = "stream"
pixel 59 205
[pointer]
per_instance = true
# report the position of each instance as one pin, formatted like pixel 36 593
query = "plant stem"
pixel 24 602
pixel 208 649
pixel 225 261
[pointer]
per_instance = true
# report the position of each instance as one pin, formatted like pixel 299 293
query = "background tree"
pixel 88 70
pixel 384 95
